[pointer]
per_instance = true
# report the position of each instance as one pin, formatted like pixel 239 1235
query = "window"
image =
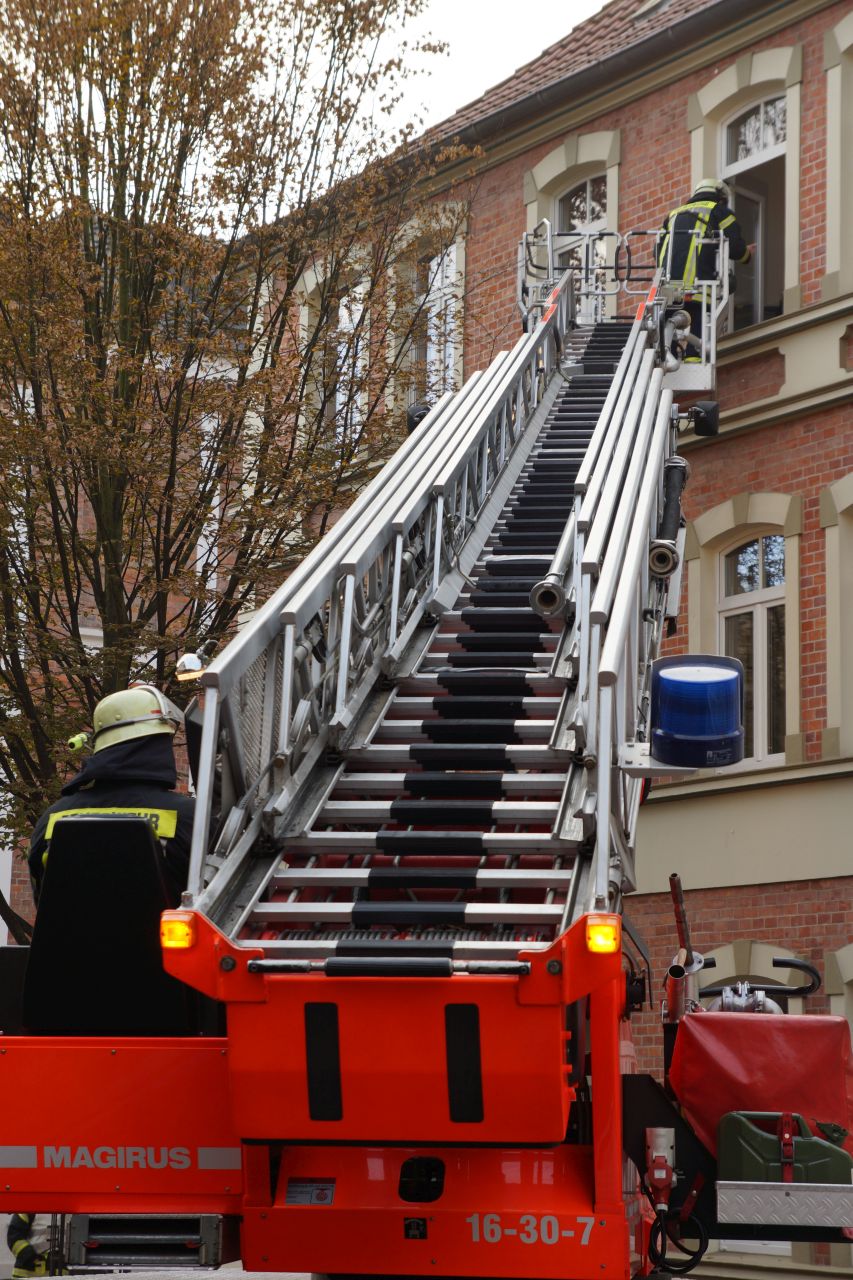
pixel 753 163
pixel 744 122
pixel 436 334
pixel 752 628
pixel 350 371
pixel 756 135
pixel 584 210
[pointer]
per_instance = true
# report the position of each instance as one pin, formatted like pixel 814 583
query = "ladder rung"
pixel 437 661
pixel 431 843
pixel 421 877
pixel 410 730
pixel 468 949
pixel 444 812
pixel 507 783
pixel 412 706
pixel 523 755
pixel 364 914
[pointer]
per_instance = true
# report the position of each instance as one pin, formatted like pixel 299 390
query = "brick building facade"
pixel 646 98
pixel 643 99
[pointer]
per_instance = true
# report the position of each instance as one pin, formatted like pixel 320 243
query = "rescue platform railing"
pixel 290 684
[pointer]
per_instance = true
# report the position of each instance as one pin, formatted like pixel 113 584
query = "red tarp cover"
pixel 763 1062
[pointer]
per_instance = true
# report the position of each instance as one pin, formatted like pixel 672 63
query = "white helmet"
pixel 722 189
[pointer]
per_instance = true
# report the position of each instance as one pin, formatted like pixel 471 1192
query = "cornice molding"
pixel 780 776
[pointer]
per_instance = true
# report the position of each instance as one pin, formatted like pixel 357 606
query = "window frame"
pixel 726 94
pixel 757 604
pixel 599 224
pixel 731 169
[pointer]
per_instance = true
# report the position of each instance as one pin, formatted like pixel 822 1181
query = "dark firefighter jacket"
pixel 135 777
pixel 709 215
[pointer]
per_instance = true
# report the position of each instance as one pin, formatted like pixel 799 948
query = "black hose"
pixel 659 1237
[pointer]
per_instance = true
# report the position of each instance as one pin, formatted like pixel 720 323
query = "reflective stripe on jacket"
pixel 681 249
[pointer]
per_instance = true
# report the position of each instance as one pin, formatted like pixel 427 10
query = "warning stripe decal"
pixel 18 1157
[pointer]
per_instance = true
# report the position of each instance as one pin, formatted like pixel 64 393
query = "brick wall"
pixel 753 378
pixel 654 174
pixel 798 457
pixel 21 896
pixel 804 918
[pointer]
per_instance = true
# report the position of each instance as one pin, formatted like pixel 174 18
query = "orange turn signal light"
pixel 177 930
pixel 603 934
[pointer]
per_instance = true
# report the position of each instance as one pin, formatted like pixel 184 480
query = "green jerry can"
pixel 768 1146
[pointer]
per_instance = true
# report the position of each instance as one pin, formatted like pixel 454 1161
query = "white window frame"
pixel 757 603
pixel 731 170
pixel 599 224
pixel 442 319
pixel 351 363
pixel 759 259
pixel 588 312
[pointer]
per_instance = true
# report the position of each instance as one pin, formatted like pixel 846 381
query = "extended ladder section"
pixel 425 752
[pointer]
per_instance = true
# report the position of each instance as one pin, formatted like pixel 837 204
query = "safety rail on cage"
pixel 290 683
pixel 545 254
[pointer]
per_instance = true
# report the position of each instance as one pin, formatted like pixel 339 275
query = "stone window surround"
pixel 721 528
pixel 838 67
pixel 836 518
pixel 746 959
pixel 579 156
pixel 749 79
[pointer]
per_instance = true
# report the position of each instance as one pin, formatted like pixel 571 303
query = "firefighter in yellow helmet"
pixel 132 771
pixel 687 260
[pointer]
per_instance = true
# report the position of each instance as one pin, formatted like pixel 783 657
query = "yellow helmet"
pixel 136 712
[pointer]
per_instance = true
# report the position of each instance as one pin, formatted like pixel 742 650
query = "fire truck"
pixel 388 1030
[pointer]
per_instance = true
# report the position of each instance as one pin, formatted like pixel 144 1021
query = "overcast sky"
pixel 489 39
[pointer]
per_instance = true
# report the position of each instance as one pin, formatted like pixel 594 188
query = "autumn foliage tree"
pixel 211 280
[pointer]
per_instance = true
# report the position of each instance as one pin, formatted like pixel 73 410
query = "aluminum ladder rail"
pixel 290 685
pixel 601 573
pixel 432 844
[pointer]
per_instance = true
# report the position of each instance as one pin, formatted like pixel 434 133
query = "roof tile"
pixel 618 26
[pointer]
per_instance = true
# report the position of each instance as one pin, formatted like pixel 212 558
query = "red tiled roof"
pixel 611 31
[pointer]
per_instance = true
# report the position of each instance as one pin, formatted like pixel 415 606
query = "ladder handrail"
pixel 301 669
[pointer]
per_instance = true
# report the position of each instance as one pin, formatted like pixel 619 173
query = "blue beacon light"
pixel 697 711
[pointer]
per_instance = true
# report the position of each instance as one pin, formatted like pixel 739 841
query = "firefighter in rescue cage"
pixel 131 771
pixel 687 249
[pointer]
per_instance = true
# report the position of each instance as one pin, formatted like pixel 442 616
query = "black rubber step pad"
pixel 461 755
pixel 475 619
pixel 409 913
pixel 394 947
pixel 444 844
pixel 477 641
pixel 466 729
pixel 421 878
pixel 462 813
pixel 466 682
pixel 513 599
pixel 439 783
pixel 490 705
pixel 503 658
